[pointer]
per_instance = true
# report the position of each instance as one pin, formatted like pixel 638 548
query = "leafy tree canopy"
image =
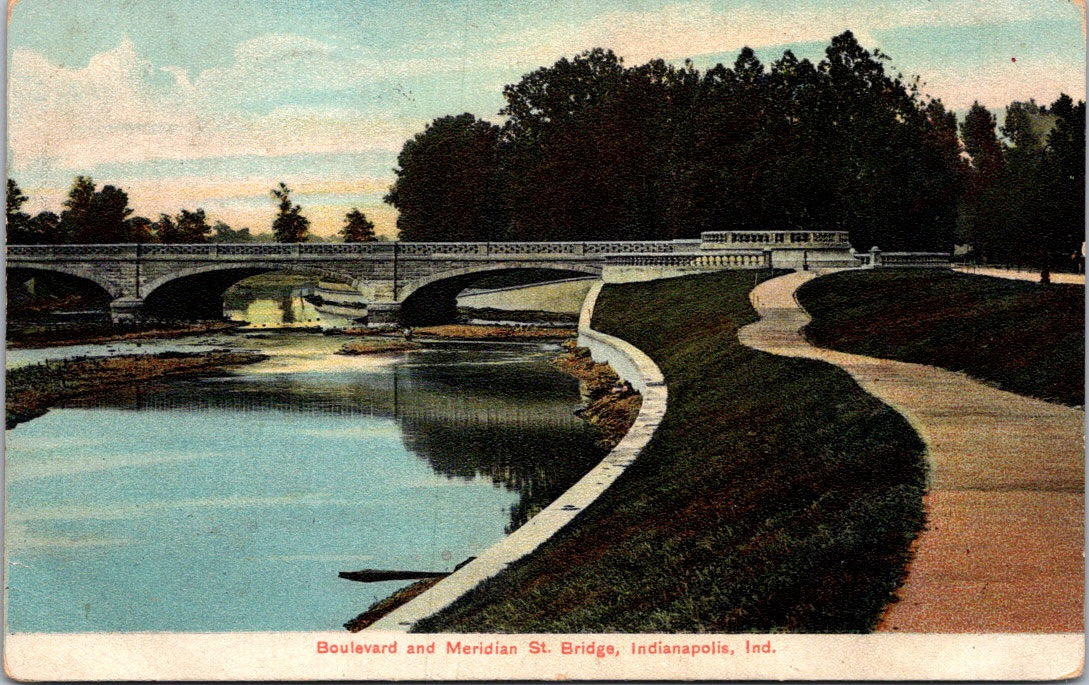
pixel 290 226
pixel 357 228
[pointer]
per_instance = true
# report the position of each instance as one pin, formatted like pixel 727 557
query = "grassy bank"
pixel 775 496
pixel 32 390
pixel 1020 336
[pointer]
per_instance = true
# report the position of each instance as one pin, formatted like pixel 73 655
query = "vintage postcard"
pixel 495 340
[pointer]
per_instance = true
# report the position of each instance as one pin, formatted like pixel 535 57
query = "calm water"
pixel 227 504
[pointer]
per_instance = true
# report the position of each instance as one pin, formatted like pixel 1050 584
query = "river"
pixel 231 503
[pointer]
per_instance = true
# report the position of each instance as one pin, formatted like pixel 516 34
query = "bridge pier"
pixel 383 314
pixel 127 310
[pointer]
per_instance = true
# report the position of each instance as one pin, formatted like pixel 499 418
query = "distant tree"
pixel 99 216
pixel 290 226
pixel 45 227
pixel 106 219
pixel 77 208
pixel 979 132
pixel 18 221
pixel 139 230
pixel 978 223
pixel 193 226
pixel 223 233
pixel 447 186
pixel 165 230
pixel 357 228
pixel 1066 147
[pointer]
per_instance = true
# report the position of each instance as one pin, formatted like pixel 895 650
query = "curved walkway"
pixel 1017 275
pixel 1003 547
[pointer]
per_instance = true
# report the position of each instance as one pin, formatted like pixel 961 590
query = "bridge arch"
pixel 197 292
pixel 433 298
pixel 93 280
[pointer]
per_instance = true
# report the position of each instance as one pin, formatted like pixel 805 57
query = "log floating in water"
pixel 370 575
pixel 373 575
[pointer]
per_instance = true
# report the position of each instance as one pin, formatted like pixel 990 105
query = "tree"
pixel 290 226
pixel 889 174
pixel 193 226
pixel 357 228
pixel 101 216
pixel 139 230
pixel 223 233
pixel 977 222
pixel 18 221
pixel 165 230
pixel 45 227
pixel 77 208
pixel 978 130
pixel 1066 147
pixel 447 186
pixel 105 221
pixel 580 149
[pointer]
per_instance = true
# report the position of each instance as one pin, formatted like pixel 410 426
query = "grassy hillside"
pixel 776 495
pixel 1021 336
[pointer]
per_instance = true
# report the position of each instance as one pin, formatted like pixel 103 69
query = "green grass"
pixel 1019 336
pixel 775 496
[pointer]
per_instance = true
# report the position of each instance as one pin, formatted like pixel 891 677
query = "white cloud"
pixel 692 29
pixel 997 84
pixel 117 110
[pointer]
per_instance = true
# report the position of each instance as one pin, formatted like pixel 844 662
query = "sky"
pixel 210 103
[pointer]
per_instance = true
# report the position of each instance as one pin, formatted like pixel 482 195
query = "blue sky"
pixel 202 103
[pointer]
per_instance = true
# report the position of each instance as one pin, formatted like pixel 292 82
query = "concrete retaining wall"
pixel 627 360
pixel 561 512
pixel 558 296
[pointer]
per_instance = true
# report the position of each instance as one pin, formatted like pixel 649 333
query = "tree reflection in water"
pixel 486 411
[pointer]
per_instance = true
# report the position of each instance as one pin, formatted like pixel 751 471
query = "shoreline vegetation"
pixel 1019 336
pixel 362 347
pixel 33 390
pixel 776 495
pixel 609 404
pixel 29 336
pixel 481 332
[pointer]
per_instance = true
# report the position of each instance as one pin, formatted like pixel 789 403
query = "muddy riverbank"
pixel 32 390
pixel 611 404
pixel 480 332
pixel 34 336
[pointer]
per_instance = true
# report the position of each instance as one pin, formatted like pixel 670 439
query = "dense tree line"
pixel 104 216
pixel 1024 196
pixel 594 150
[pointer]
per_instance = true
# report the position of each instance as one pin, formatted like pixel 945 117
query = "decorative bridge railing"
pixel 759 258
pixel 326 250
pixel 875 259
pixel 800 239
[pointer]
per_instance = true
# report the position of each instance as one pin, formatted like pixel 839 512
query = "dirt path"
pixel 1003 547
pixel 1013 274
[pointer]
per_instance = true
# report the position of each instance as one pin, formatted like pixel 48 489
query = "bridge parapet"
pixel 780 239
pixel 325 250
pixel 626 268
pixel 876 259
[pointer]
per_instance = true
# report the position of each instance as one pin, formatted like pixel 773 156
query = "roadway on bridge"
pixel 1002 551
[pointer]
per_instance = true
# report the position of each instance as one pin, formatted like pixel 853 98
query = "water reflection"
pixel 276 306
pixel 469 411
pixel 231 503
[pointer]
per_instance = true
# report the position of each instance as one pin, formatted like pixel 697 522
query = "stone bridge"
pixel 412 282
